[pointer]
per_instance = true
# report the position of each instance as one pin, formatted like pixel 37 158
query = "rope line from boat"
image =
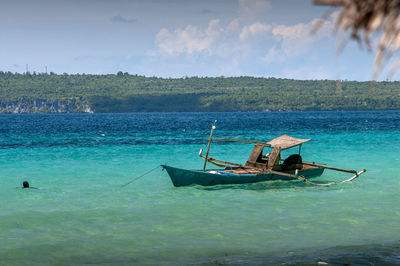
pixel 142 175
pixel 305 180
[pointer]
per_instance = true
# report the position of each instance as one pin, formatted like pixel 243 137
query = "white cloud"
pixel 217 40
pixel 237 46
pixel 302 30
pixel 236 38
pixel 214 40
pixel 189 40
pixel 295 40
pixel 254 29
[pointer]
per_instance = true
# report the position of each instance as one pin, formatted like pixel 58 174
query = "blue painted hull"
pixel 182 177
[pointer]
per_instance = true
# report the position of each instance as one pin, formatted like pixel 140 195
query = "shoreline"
pixel 206 112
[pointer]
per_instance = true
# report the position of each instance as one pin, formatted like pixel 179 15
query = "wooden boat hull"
pixel 183 177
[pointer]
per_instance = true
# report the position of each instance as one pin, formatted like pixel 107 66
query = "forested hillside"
pixel 131 93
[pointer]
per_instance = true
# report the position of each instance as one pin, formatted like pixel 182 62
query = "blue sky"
pixel 177 38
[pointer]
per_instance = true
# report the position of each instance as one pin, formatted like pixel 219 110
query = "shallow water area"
pixel 81 215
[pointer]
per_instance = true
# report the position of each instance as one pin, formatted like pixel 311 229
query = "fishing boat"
pixel 260 166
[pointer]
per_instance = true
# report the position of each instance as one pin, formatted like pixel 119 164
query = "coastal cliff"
pixel 75 105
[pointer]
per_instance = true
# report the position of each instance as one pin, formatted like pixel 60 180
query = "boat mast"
pixel 208 146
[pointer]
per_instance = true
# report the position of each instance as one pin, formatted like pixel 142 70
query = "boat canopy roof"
pixel 285 142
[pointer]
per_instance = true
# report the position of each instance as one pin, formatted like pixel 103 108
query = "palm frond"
pixel 362 18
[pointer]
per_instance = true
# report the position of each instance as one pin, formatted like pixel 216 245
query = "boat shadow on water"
pixel 261 186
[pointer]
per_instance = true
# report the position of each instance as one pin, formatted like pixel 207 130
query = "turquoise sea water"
pixel 81 215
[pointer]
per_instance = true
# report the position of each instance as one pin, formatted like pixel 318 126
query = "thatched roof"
pixel 285 142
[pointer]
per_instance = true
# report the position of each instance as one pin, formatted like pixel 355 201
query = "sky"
pixel 178 38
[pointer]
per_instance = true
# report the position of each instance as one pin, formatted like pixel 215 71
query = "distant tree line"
pixel 123 92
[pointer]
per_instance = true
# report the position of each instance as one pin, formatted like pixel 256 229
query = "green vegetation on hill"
pixel 130 93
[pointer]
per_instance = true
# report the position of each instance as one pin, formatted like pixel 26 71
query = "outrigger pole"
pixel 331 168
pixel 208 146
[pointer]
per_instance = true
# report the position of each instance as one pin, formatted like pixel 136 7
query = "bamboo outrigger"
pixel 259 167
